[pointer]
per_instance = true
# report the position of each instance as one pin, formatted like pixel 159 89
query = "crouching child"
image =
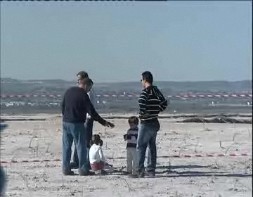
pixel 97 159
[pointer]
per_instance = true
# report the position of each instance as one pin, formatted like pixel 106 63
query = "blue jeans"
pixel 88 127
pixel 148 156
pixel 74 132
pixel 2 182
pixel 147 137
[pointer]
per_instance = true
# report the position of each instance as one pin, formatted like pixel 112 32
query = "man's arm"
pixel 163 103
pixel 143 103
pixel 94 115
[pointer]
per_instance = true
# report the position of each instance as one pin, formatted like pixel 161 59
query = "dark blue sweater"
pixel 76 104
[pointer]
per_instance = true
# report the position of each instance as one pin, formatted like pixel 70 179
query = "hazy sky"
pixel 117 41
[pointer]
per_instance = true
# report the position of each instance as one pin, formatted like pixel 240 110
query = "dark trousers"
pixel 2 182
pixel 88 127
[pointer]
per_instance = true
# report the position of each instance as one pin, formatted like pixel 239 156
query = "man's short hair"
pixel 133 119
pixel 147 76
pixel 87 81
pixel 82 75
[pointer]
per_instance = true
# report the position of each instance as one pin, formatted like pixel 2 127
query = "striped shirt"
pixel 151 103
pixel 131 137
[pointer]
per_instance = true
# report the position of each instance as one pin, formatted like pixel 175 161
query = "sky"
pixel 117 41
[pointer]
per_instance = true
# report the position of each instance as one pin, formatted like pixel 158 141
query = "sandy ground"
pixel 176 176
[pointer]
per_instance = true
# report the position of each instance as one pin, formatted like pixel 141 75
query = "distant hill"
pixel 108 104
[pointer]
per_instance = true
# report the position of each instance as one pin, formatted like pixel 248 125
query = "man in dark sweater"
pixel 151 103
pixel 82 75
pixel 75 105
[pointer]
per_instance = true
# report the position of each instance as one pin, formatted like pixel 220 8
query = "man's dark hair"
pixel 82 74
pixel 147 76
pixel 87 81
pixel 133 119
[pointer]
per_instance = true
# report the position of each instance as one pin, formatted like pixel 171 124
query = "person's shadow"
pixel 186 171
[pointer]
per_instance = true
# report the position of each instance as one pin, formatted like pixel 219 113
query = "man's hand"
pixel 109 124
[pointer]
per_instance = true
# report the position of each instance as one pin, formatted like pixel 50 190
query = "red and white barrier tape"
pixel 181 96
pixel 30 161
pixel 171 156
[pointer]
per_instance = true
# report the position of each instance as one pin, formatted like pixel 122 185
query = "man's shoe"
pixel 151 174
pixel 73 165
pixel 85 173
pixel 133 176
pixel 68 172
pixel 140 174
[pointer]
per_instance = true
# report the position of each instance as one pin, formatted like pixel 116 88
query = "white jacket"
pixel 96 154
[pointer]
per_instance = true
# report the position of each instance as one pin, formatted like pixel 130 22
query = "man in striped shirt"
pixel 151 103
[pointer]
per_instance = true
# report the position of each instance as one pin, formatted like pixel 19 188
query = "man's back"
pixel 151 103
pixel 73 105
pixel 76 104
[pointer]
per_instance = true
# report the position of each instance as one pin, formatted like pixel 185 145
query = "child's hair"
pixel 133 120
pixel 96 140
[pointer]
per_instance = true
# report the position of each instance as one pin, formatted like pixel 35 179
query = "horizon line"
pixel 4 78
